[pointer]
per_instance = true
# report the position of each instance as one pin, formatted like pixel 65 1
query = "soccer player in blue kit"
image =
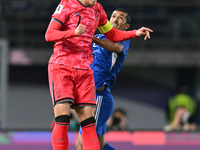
pixel 108 60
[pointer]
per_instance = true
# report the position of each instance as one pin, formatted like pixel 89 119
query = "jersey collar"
pixel 84 4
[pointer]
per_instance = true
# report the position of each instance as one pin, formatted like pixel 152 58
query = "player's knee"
pixel 88 121
pixel 62 119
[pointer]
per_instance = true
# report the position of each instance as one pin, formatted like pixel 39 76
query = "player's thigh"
pixel 60 84
pixel 84 93
pixel 105 105
pixel 84 112
pixel 62 109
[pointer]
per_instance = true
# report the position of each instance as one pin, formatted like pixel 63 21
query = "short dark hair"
pixel 128 18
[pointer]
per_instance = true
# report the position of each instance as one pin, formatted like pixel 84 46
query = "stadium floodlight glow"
pixel 3 81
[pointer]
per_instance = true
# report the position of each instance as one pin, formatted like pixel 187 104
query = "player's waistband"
pixel 103 88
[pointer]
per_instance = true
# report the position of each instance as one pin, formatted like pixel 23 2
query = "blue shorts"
pixel 105 106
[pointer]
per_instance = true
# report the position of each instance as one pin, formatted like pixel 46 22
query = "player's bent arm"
pixel 109 45
pixel 53 32
pixel 116 35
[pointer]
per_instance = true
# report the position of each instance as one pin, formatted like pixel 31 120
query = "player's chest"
pixel 86 16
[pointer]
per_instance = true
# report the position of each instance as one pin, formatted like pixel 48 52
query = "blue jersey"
pixel 105 67
pixel 107 64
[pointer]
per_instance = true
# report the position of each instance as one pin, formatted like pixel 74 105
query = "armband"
pixel 105 28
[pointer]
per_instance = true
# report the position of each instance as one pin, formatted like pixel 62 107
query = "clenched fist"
pixel 80 29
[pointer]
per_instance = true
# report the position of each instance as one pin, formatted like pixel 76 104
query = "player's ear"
pixel 126 26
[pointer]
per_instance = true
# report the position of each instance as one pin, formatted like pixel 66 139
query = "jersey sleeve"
pixel 125 45
pixel 61 12
pixel 53 32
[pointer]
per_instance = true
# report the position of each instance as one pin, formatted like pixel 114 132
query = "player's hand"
pixel 144 32
pixel 80 29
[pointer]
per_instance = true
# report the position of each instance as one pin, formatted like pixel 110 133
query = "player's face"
pixel 118 20
pixel 89 2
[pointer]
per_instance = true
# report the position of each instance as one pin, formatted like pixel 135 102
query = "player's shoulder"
pixel 61 1
pixel 98 6
pixel 68 2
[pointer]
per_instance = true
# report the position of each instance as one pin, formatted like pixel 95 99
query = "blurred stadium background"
pixel 151 73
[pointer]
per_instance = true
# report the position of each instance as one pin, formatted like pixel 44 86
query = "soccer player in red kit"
pixel 71 79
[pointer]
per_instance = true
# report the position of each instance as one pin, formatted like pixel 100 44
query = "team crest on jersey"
pixel 96 12
pixel 59 9
pixel 58 92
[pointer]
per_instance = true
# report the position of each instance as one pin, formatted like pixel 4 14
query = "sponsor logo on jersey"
pixel 60 139
pixel 92 99
pixel 78 13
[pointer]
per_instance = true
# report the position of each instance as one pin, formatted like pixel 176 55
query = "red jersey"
pixel 76 51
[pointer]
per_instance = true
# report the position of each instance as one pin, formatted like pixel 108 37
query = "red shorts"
pixel 68 84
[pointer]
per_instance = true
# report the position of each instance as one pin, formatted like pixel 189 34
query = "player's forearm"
pixel 118 35
pixel 108 45
pixel 53 33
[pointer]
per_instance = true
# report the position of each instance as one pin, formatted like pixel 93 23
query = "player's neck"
pixel 84 3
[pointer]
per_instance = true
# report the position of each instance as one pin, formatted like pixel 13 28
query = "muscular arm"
pixel 109 45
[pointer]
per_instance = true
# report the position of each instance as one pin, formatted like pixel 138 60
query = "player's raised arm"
pixel 118 35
